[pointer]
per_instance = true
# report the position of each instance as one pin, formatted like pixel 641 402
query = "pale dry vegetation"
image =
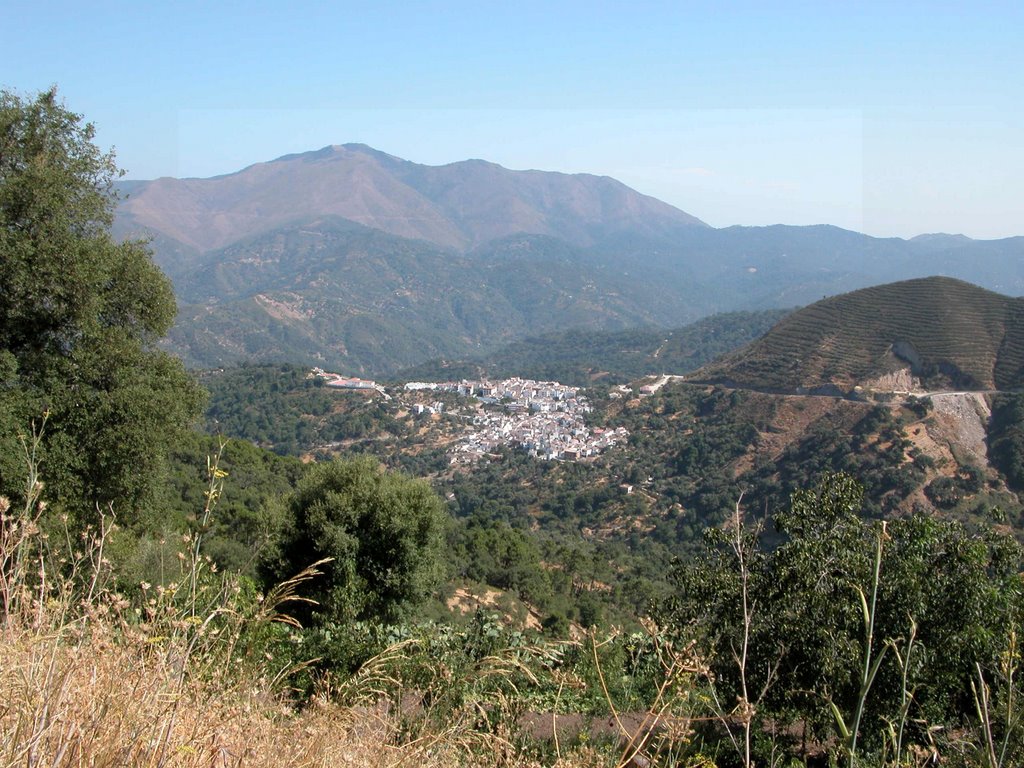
pixel 105 701
pixel 191 674
pixel 96 691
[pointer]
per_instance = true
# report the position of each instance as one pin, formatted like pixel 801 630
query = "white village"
pixel 544 418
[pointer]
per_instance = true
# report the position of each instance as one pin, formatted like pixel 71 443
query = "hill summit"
pixel 459 206
pixel 946 333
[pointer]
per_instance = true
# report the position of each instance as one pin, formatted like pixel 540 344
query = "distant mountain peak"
pixel 459 205
pixel 940 236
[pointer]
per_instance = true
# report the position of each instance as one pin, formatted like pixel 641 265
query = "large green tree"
pixel 80 315
pixel 383 531
pixel 794 614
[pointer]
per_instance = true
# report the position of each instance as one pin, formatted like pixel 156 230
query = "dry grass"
pixel 176 675
pixel 101 701
pixel 99 692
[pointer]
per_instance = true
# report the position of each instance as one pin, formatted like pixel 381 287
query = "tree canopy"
pixel 382 529
pixel 80 316
pixel 949 596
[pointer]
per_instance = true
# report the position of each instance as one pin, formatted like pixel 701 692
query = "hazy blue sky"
pixel 892 118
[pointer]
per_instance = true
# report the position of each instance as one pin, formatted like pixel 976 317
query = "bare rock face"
pixel 897 381
pixel 905 351
pixel 962 418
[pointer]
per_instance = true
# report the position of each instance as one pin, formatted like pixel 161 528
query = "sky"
pixel 890 118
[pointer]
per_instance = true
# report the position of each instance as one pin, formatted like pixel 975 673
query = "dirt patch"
pixel 960 419
pixel 629 727
pixel 280 310
pixel 897 381
pixel 470 601
pixel 466 601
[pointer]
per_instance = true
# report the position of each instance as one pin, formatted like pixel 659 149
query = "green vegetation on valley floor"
pixel 585 357
pixel 621 517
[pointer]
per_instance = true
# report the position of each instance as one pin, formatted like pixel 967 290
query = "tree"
pixel 80 316
pixel 944 604
pixel 383 531
pixel 502 556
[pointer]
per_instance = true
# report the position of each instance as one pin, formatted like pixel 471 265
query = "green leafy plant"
pixel 381 530
pixel 80 321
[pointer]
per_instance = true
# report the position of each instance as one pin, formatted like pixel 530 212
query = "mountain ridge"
pixel 470 256
pixel 459 205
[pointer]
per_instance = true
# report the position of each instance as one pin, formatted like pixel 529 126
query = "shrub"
pixel 382 532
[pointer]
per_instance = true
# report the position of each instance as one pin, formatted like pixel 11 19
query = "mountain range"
pixel 458 206
pixel 352 258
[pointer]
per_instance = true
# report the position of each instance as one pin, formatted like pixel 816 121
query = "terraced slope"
pixel 947 332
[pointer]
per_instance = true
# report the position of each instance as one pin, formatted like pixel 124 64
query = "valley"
pixel 512 385
pixel 469 445
pixel 510 374
pixel 345 289
pixel 687 451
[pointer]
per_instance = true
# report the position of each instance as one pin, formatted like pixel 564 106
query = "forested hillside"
pixel 345 296
pixel 584 357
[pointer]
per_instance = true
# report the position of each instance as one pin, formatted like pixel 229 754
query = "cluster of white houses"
pixel 543 417
pixel 516 393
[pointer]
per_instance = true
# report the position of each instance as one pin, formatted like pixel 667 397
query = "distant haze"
pixel 893 119
pixel 866 169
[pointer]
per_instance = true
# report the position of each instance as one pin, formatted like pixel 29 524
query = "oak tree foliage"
pixel 80 316
pixel 382 530
pixel 954 593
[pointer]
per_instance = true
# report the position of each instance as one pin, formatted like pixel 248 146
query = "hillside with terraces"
pixel 928 334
